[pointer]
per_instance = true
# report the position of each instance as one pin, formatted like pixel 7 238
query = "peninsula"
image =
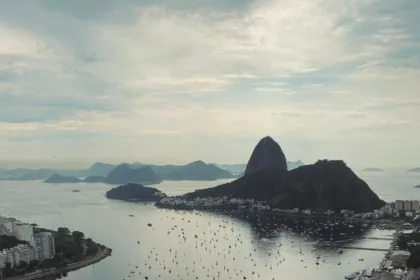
pixel 30 252
pixel 327 184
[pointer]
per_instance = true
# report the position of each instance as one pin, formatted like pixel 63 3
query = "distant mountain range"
pixel 137 172
pixel 119 175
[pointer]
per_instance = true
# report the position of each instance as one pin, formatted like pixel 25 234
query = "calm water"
pixel 170 249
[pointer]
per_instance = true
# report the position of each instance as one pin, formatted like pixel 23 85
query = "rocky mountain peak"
pixel 266 155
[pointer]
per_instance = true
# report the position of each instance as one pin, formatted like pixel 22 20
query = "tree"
pixel 63 232
pixel 78 236
pixel 32 265
pixel 22 264
pixel 7 270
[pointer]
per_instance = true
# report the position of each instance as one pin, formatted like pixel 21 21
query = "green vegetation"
pixel 411 242
pixel 72 246
pixel 7 242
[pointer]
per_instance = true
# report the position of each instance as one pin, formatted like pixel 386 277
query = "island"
pixel 59 179
pixel 135 192
pixel 327 184
pixel 61 251
pixel 373 169
pixel 414 170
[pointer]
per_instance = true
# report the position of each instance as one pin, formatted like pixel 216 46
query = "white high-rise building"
pixel 15 255
pixel 10 226
pixel 44 245
pixel 399 205
pixel 3 259
pixel 24 232
pixel 407 205
pixel 415 205
pixel 10 257
pixel 27 253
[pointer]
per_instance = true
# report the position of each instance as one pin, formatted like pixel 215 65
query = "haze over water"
pixel 108 222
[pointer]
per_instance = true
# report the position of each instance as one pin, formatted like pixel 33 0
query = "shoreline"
pixel 391 224
pixel 102 254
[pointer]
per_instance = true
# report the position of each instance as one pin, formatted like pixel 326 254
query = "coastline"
pixel 89 260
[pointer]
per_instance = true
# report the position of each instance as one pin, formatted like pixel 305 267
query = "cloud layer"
pixel 174 81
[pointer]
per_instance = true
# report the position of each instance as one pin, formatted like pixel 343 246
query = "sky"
pixel 168 81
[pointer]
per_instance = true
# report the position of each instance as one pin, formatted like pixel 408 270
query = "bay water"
pixel 194 244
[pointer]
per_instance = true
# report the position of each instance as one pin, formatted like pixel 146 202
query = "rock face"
pixel 123 174
pixel 58 179
pixel 323 185
pixel 266 155
pixel 135 192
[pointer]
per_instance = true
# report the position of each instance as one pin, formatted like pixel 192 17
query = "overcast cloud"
pixel 177 81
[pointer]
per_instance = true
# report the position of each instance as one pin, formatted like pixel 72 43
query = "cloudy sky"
pixel 172 81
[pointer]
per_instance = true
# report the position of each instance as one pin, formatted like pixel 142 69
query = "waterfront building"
pixel 3 259
pixel 24 232
pixel 10 225
pixel 407 205
pixel 44 245
pixel 415 205
pixel 15 255
pixel 26 252
pixel 399 205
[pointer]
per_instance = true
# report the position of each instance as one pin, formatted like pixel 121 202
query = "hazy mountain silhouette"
pixel 58 179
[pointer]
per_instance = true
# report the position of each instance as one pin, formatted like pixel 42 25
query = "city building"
pixel 44 245
pixel 24 232
pixel 10 225
pixel 415 205
pixel 407 205
pixel 3 259
pixel 26 252
pixel 399 205
pixel 17 254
